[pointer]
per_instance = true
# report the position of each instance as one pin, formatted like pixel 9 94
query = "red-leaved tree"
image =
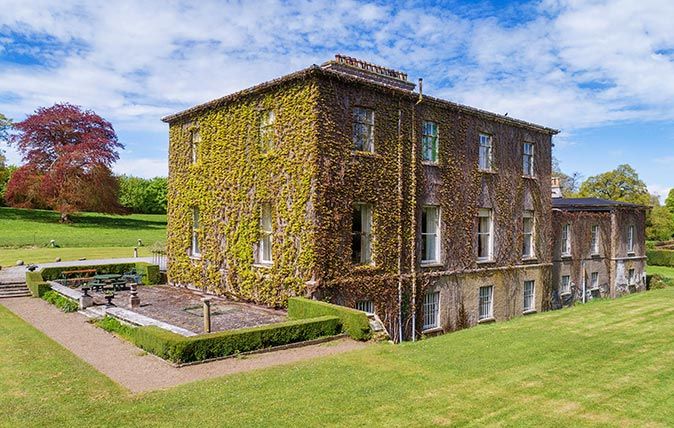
pixel 68 154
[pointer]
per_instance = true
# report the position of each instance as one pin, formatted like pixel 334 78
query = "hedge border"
pixel 660 257
pixel 63 303
pixel 180 349
pixel 37 286
pixel 355 322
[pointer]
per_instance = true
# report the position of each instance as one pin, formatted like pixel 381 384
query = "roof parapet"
pixel 368 71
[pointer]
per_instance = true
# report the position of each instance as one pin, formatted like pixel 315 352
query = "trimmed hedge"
pixel 36 284
pixel 354 322
pixel 149 272
pixel 660 257
pixel 657 282
pixel 61 302
pixel 181 349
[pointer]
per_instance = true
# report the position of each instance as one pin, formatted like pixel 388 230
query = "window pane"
pixel 361 225
pixel 431 310
pixel 485 302
pixel 528 295
pixel 363 129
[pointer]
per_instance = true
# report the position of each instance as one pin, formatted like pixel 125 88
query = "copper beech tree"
pixel 67 154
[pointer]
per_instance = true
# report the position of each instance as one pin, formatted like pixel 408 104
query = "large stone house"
pixel 599 249
pixel 341 183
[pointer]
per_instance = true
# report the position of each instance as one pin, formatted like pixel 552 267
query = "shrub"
pixel 657 282
pixel 36 284
pixel 660 257
pixel 61 302
pixel 181 349
pixel 354 322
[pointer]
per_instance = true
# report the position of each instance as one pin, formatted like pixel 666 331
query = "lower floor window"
pixel 431 310
pixel 365 306
pixel 594 280
pixel 528 296
pixel 566 285
pixel 630 277
pixel 486 302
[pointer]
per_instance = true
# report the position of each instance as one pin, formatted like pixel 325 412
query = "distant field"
pixel 25 235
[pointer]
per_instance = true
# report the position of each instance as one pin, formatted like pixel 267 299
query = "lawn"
pixel 665 271
pixel 605 363
pixel 26 235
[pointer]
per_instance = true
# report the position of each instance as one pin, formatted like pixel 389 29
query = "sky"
pixel 600 71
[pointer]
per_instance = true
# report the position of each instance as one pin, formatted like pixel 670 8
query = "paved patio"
pixel 183 307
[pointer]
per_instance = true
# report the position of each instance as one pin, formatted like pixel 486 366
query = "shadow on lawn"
pixel 93 220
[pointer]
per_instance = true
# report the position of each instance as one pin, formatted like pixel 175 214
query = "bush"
pixel 61 302
pixel 658 282
pixel 181 349
pixel 354 322
pixel 660 257
pixel 36 284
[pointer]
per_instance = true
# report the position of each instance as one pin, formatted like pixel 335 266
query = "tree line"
pixel 67 155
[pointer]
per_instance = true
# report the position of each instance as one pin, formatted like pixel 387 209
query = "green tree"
pixel 5 126
pixel 5 174
pixel 147 196
pixel 568 183
pixel 660 224
pixel 622 184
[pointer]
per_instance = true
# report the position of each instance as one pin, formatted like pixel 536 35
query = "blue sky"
pixel 600 71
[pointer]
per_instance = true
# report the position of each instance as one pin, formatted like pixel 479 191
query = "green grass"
pixel 665 271
pixel 608 363
pixel 26 235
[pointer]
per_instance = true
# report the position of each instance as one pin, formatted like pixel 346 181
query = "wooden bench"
pixel 77 276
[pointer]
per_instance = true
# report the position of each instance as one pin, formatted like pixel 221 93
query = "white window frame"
pixel 486 153
pixel 431 310
pixel 594 280
pixel 529 303
pixel 630 239
pixel 529 236
pixel 566 240
pixel 363 120
pixel 489 214
pixel 365 233
pixel 631 275
pixel 365 305
pixel 430 141
pixel 594 243
pixel 195 139
pixel 528 159
pixel 565 285
pixel 195 249
pixel 485 303
pixel 267 131
pixel 431 236
pixel 266 242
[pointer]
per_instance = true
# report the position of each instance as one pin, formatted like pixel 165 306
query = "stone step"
pixel 12 286
pixel 4 294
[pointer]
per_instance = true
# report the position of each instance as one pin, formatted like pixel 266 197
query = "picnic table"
pixel 112 281
pixel 77 276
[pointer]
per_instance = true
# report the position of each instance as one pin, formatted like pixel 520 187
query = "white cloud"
pixel 143 167
pixel 567 64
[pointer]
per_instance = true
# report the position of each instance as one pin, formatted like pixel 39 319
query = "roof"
pixel 315 70
pixel 591 204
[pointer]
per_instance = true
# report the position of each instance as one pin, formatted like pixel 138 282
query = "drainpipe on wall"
pixel 400 222
pixel 584 281
pixel 413 209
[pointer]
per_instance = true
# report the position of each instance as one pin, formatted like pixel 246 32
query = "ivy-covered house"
pixel 342 183
pixel 600 249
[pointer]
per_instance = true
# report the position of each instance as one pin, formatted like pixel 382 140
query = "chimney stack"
pixel 368 71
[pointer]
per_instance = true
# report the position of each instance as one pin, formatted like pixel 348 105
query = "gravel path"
pixel 126 364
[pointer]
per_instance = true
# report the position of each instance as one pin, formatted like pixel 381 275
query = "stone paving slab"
pixel 140 372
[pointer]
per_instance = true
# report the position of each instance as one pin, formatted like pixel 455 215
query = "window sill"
pixel 195 257
pixel 487 171
pixel 263 265
pixel 566 293
pixel 432 330
pixel 595 255
pixel 566 256
pixel 430 163
pixel 530 177
pixel 432 264
pixel 529 312
pixel 366 154
pixel 529 259
pixel 486 320
pixel 485 261
pixel 632 254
